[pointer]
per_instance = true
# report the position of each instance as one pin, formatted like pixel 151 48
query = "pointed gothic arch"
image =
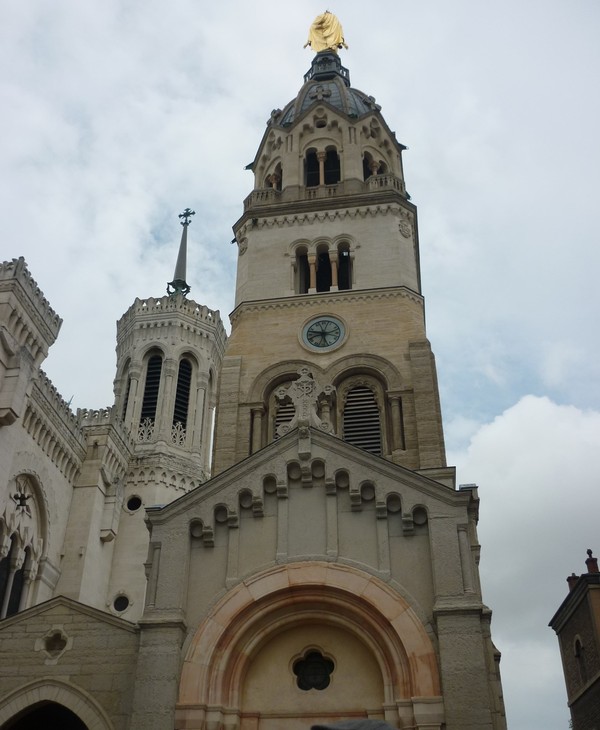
pixel 46 690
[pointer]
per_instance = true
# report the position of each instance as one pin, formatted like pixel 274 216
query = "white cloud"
pixel 537 467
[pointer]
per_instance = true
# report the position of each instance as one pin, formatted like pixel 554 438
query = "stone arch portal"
pixel 240 666
pixel 29 699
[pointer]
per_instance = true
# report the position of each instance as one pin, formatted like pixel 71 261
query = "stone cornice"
pixel 302 213
pixel 317 301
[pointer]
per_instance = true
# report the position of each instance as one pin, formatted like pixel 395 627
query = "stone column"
pixel 321 156
pixel 198 414
pixel 397 440
pixel 333 259
pixel 312 265
pixel 257 416
pixel 166 400
pixel 135 372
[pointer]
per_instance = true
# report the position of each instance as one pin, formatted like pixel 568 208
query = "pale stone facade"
pixel 329 568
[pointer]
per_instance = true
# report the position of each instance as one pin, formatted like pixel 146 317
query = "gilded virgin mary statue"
pixel 325 33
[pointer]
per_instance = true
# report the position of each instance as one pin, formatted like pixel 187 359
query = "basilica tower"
pixel 328 278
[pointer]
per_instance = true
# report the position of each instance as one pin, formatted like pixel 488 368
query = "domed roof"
pixel 327 81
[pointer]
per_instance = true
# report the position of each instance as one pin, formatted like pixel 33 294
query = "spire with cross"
pixel 179 284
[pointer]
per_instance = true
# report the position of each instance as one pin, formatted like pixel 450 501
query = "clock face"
pixel 323 333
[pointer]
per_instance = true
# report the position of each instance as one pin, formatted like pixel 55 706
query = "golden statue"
pixel 326 34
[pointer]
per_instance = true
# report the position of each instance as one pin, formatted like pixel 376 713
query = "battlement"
pixel 146 312
pixel 104 417
pixel 17 270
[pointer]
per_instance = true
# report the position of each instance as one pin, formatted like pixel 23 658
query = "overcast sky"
pixel 118 115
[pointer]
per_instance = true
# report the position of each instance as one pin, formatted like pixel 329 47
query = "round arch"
pixel 50 690
pixel 281 599
pixel 270 377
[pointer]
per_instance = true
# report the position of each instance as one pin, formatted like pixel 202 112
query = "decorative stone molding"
pixel 307 302
pixel 53 644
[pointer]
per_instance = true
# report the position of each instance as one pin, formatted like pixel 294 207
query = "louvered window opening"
pixel 285 413
pixel 182 395
pixel 126 401
pixel 150 401
pixel 362 425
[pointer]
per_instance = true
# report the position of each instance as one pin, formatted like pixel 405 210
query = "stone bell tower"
pixel 169 352
pixel 329 278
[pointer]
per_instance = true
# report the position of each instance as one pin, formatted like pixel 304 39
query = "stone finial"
pixel 572 581
pixel 179 284
pixel 591 563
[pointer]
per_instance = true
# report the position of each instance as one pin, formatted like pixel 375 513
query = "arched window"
pixel 344 267
pixel 311 169
pixel 150 402
pixel 323 271
pixel 302 273
pixel 182 394
pixel 371 166
pixel 332 167
pixel 24 545
pixel 273 180
pixel 361 419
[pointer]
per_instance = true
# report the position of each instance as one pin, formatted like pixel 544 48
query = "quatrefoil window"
pixel 313 671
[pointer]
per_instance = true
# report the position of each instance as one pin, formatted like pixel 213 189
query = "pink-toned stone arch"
pixel 255 610
pixel 62 693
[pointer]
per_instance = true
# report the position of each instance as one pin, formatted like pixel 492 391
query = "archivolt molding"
pixel 287 370
pixel 374 366
pixel 48 689
pixel 250 614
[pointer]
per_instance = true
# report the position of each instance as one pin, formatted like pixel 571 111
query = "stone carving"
pixel 178 434
pixel 305 393
pixel 405 228
pixel 146 430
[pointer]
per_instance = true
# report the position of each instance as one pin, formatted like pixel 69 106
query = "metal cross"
pixel 186 215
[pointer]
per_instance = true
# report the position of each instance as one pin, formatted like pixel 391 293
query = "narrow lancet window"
pixel 182 395
pixel 150 402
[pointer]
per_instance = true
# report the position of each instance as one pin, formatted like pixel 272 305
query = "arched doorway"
pixel 51 703
pixel 44 716
pixel 309 642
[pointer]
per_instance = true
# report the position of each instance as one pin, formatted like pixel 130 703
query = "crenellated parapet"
pixel 52 425
pixel 25 314
pixel 156 312
pixel 28 327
